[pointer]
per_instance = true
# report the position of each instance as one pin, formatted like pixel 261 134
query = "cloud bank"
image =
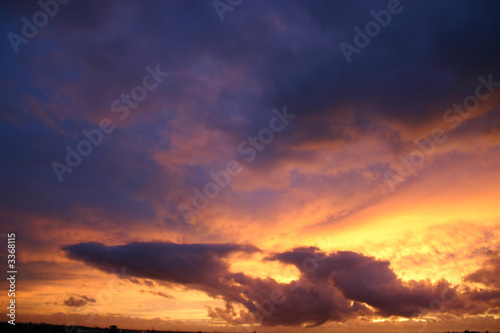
pixel 332 287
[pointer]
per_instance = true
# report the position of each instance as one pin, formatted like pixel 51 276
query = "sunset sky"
pixel 252 165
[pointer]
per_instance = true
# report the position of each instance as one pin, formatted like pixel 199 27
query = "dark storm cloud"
pixel 367 280
pixel 301 65
pixel 285 53
pixel 331 287
pixel 187 264
pixel 298 303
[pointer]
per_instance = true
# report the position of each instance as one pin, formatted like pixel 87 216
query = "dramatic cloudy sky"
pixel 261 165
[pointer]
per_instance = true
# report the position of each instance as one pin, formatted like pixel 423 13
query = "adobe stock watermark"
pixel 248 148
pixel 222 6
pixel 120 106
pixel 372 29
pixel 29 30
pixel 455 115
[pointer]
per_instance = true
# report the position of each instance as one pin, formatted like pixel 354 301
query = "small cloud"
pixel 159 293
pixel 149 283
pixel 134 280
pixel 145 282
pixel 78 301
